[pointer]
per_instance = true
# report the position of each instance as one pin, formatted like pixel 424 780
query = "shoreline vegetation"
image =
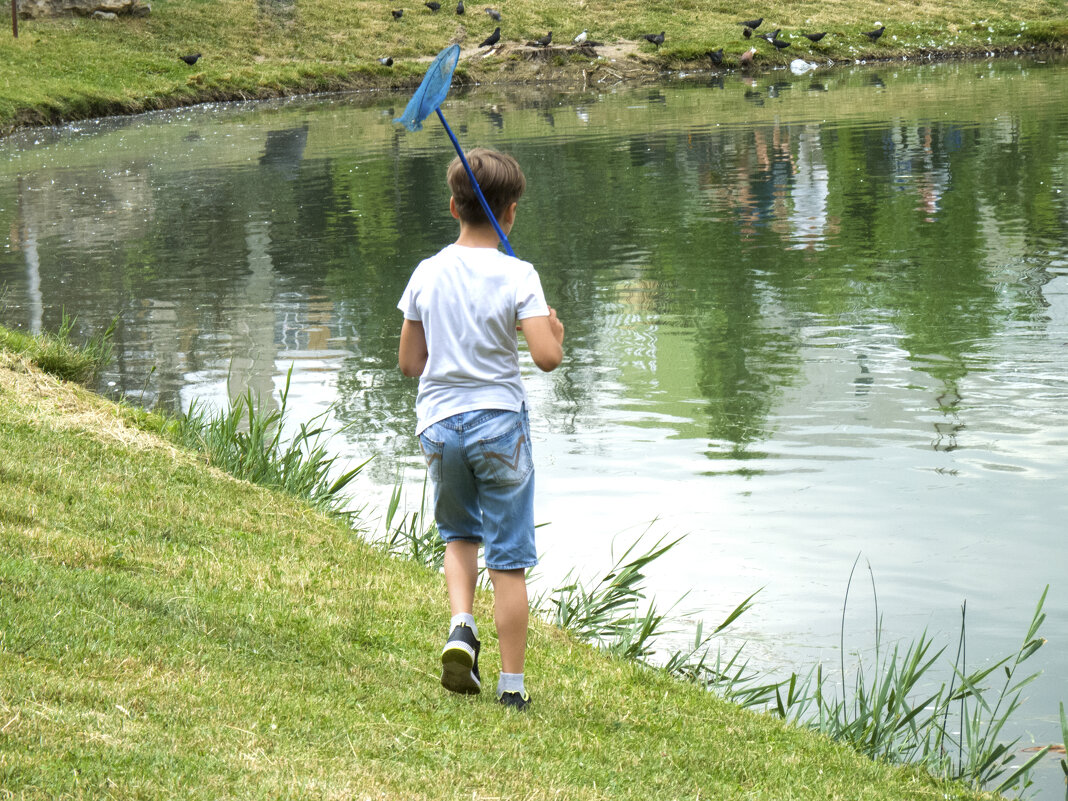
pixel 71 68
pixel 168 630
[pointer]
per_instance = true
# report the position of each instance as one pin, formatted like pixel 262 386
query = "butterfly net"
pixel 432 91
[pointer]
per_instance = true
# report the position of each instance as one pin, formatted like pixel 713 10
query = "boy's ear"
pixel 509 214
pixel 452 208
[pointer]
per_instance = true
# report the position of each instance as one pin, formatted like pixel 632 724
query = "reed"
pixel 414 535
pixel 1064 744
pixel 893 708
pixel 608 612
pixel 245 440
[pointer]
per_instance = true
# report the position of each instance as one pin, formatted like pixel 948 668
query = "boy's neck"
pixel 478 236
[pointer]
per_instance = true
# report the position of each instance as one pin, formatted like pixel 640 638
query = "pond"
pixel 808 318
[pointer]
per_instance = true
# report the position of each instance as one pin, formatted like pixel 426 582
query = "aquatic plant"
pixel 244 439
pixel 607 612
pixel 414 535
pixel 953 731
pixel 1064 743
pixel 890 709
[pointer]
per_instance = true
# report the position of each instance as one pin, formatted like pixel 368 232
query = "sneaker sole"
pixel 457 660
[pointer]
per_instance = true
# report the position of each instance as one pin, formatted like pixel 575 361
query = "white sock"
pixel 510 683
pixel 465 618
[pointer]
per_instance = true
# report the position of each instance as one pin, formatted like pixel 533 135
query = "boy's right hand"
pixel 556 326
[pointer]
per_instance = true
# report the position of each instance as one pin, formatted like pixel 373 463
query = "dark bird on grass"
pixel 814 37
pixel 747 32
pixel 386 62
pixel 874 35
pixel 432 5
pixel 751 23
pixel 460 7
pixel 769 37
pixel 191 59
pixel 655 38
pixel 746 59
pixel 494 14
pixel 715 56
pixel 397 13
pixel 544 41
pixel 492 39
pixel 780 44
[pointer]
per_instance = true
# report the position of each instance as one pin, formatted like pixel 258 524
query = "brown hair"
pixel 499 176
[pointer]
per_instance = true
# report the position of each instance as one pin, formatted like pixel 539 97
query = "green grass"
pixel 56 354
pixel 169 631
pixel 73 68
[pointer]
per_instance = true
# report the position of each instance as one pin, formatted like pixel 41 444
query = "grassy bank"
pixel 167 630
pixel 63 69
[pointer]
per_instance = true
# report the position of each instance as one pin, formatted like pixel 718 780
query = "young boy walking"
pixel 461 309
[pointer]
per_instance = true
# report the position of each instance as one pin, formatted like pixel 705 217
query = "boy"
pixel 462 308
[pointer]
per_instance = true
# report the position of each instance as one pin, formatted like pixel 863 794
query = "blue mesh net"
pixel 426 100
pixel 431 92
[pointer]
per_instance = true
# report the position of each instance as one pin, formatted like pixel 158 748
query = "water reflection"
pixel 806 316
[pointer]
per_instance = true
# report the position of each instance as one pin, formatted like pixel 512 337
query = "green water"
pixel 807 317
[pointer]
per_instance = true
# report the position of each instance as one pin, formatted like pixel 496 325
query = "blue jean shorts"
pixel 482 470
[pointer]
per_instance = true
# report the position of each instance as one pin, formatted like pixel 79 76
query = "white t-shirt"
pixel 469 301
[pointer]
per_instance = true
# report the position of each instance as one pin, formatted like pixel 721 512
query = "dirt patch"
pixel 578 65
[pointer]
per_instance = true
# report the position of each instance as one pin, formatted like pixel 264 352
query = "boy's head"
pixel 500 178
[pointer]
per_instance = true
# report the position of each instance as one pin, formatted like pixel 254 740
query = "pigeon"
pixel 814 37
pixel 746 59
pixel 493 38
pixel 580 38
pixel 387 61
pixel 655 38
pixel 190 59
pixel 874 35
pixel 433 5
pixel 715 56
pixel 397 13
pixel 747 32
pixel 769 37
pixel 460 7
pixel 494 14
pixel 751 23
pixel 543 41
pixel 780 44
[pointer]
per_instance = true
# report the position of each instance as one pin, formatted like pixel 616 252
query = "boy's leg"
pixel 511 615
pixel 461 575
pixel 459 657
pixel 457 515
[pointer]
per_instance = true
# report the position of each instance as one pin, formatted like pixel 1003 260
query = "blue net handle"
pixel 477 188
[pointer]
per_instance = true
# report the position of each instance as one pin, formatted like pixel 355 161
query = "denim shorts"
pixel 482 470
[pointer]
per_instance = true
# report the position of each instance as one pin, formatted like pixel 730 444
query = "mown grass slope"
pixel 167 631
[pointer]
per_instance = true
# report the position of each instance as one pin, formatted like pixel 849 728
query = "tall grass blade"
pixel 1020 775
pixel 1064 741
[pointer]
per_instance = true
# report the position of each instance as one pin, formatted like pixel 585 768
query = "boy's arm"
pixel 413 353
pixel 545 339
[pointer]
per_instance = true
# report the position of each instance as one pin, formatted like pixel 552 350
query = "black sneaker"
pixel 459 662
pixel 516 701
